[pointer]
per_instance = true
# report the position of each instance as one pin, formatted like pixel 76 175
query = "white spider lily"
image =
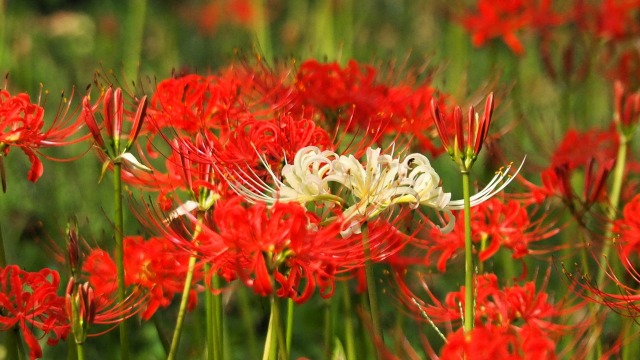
pixel 305 180
pixel 381 183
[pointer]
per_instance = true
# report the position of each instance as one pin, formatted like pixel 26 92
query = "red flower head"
pixel 510 322
pixel 627 110
pixel 283 244
pixel 29 300
pixel 22 126
pixel 464 153
pixel 495 223
pixel 155 268
pixel 116 146
pixel 503 19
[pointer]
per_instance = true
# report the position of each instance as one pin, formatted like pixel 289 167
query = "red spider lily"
pixel 504 19
pixel 194 103
pixel 352 98
pixel 591 152
pixel 511 309
pixel 496 223
pixel 608 19
pixel 282 244
pixel 272 141
pixel 211 15
pixel 29 300
pixel 577 148
pixel 154 267
pixel 488 342
pixel 464 153
pixel 627 110
pixel 624 300
pixel 558 182
pixel 628 231
pixel 22 124
pixel 625 68
pixel 97 308
pixel 114 114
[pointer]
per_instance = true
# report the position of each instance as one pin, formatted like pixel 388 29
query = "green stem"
pixel 247 319
pixel 119 254
pixel 348 322
pixel 209 316
pixel 289 333
pixel 371 288
pixel 270 348
pixel 469 301
pixel 133 37
pixel 72 351
pixel 275 342
pixel 614 201
pixel 3 255
pixel 261 29
pixel 177 332
pixel 218 317
pixel 21 353
pixel 328 331
pixel 324 30
pixel 368 346
pixel 80 350
pixel 629 347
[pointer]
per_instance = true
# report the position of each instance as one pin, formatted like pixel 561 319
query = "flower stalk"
pixel 469 301
pixel 117 154
pixel 464 154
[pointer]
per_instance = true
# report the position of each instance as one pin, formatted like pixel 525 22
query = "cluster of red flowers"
pixel 22 126
pixel 607 20
pixel 515 322
pixel 29 301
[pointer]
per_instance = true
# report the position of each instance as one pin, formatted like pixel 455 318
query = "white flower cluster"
pixel 382 182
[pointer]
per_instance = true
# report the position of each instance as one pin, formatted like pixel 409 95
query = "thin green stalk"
pixel 80 350
pixel 2 32
pixel 289 333
pixel 270 346
pixel 630 348
pixel 3 255
pixel 72 352
pixel 209 317
pixel 261 29
pixel 247 319
pixel 133 37
pixel 119 254
pixel 324 30
pixel 177 332
pixel 21 353
pixel 275 342
pixel 469 301
pixel 328 331
pixel 218 317
pixel 614 201
pixel 367 345
pixel 371 288
pixel 348 322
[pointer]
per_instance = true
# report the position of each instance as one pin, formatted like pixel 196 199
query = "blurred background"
pixel 51 47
